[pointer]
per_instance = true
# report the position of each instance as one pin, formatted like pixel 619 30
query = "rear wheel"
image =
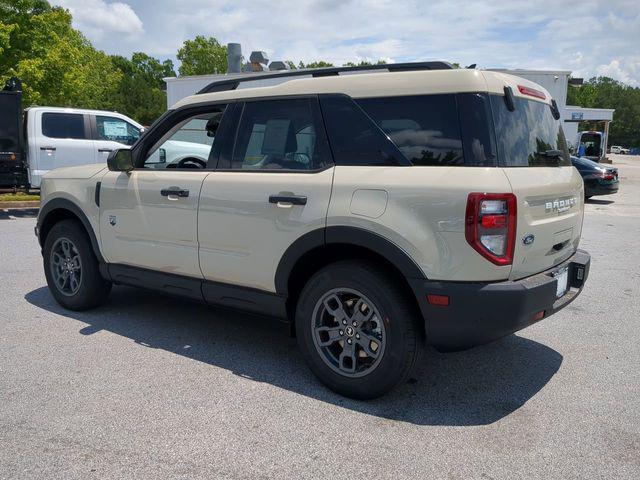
pixel 71 268
pixel 356 329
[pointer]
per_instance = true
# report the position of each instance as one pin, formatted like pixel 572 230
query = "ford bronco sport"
pixel 375 211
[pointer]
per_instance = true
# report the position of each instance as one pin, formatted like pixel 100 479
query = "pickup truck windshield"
pixel 529 136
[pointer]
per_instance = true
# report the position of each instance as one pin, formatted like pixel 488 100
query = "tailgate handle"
pixel 559 246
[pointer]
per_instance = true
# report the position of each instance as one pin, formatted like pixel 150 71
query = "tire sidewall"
pixel 392 366
pixel 93 288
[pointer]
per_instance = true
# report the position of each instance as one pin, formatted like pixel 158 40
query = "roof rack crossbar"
pixel 233 83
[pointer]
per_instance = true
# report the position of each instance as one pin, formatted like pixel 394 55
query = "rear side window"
pixel 528 136
pixel 424 128
pixel 63 125
pixel 355 138
pixel 280 135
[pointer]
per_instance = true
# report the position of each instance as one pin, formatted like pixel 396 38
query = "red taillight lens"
pixel 490 225
pixel 607 176
pixel 532 92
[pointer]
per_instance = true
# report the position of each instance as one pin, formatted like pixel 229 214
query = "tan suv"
pixel 375 211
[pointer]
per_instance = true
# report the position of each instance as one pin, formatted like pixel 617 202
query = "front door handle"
pixel 174 191
pixel 52 149
pixel 105 150
pixel 292 199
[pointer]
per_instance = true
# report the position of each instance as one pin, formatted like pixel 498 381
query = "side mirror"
pixel 120 160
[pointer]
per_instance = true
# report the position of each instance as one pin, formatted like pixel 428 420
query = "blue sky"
pixel 589 37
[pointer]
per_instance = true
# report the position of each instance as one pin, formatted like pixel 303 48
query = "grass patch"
pixel 18 197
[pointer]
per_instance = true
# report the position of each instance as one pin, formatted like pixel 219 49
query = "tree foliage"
pixel 605 92
pixel 140 93
pixel 56 63
pixel 202 56
pixel 365 63
pixel 317 64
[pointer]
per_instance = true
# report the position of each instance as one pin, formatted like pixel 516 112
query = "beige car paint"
pixel 424 215
pixel 142 228
pixel 242 235
pixel 550 227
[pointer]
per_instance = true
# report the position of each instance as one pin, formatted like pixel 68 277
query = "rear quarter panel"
pixel 424 214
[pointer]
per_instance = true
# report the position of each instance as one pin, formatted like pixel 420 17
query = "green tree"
pixel 140 93
pixel 318 64
pixel 202 56
pixel 605 92
pixel 56 63
pixel 365 63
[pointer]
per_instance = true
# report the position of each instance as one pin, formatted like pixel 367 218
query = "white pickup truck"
pixel 53 137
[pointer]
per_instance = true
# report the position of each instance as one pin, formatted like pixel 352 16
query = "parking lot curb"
pixel 17 205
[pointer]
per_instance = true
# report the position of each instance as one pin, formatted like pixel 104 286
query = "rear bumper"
pixel 602 188
pixel 482 312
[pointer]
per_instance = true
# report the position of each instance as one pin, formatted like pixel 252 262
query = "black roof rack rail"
pixel 232 83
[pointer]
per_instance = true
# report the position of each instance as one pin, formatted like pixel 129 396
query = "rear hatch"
pixel 533 154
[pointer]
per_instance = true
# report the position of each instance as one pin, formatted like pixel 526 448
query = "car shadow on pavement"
pixel 599 201
pixel 475 387
pixel 12 213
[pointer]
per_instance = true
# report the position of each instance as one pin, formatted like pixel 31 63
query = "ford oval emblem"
pixel 528 239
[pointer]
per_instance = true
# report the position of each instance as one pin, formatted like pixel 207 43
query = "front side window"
pixel 189 144
pixel 424 128
pixel 116 130
pixel 63 125
pixel 528 136
pixel 279 135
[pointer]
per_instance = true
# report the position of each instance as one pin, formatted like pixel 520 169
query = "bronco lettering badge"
pixel 560 205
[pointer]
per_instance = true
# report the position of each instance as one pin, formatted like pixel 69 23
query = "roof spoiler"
pixel 232 83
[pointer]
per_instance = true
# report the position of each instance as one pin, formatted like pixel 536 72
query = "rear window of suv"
pixel 525 134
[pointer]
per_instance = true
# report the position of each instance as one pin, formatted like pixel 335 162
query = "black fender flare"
pixel 64 204
pixel 360 237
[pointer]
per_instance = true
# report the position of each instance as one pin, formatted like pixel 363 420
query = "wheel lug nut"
pixel 349 341
pixel 341 333
pixel 355 324
pixel 358 336
pixel 344 322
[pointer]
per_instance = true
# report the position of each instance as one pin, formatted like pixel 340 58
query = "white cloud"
pixel 515 34
pixel 101 21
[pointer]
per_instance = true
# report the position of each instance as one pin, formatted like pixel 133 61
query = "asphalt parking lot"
pixel 151 387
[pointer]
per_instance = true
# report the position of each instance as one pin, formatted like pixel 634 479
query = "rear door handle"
pixel 292 199
pixel 48 148
pixel 175 191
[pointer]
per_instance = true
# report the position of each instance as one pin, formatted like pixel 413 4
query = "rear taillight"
pixel 607 176
pixel 490 225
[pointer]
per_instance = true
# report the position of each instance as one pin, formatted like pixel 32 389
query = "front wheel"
pixel 356 329
pixel 71 268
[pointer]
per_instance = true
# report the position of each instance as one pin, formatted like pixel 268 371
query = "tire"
pixel 68 244
pixel 336 290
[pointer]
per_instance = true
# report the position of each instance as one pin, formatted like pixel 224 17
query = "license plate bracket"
pixel 562 280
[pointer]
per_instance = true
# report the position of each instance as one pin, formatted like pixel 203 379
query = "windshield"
pixel 529 136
